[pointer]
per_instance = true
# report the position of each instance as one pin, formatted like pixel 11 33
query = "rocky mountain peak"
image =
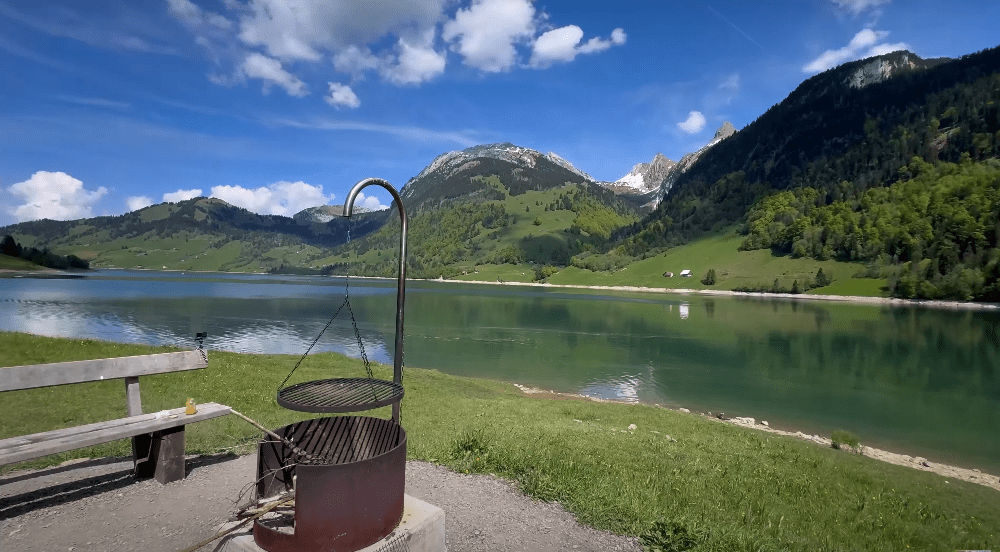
pixel 644 177
pixel 654 179
pixel 324 213
pixel 725 131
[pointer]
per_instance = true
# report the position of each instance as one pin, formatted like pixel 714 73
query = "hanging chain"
pixel 354 322
pixel 313 344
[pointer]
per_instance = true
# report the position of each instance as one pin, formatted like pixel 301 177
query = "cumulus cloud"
pixel 135 203
pixel 53 195
pixel 281 198
pixel 417 62
pixel 563 45
pixel 303 29
pixel 182 195
pixel 342 95
pixel 369 202
pixel 405 42
pixel 694 123
pixel 866 43
pixel 270 70
pixel 858 6
pixel 355 60
pixel 485 33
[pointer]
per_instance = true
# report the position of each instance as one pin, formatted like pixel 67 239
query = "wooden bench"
pixel 157 439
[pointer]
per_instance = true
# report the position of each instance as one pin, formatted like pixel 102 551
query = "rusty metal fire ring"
pixel 352 501
pixel 340 395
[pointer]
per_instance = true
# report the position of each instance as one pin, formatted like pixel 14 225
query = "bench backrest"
pixel 79 371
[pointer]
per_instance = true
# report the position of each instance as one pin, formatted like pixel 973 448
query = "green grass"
pixel 744 489
pixel 492 272
pixel 733 268
pixel 16 263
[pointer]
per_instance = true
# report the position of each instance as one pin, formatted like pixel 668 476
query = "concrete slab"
pixel 422 529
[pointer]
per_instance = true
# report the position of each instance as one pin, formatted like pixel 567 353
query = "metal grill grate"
pixel 340 395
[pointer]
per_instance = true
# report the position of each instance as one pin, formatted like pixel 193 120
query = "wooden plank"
pixel 18 449
pixel 133 402
pixel 62 373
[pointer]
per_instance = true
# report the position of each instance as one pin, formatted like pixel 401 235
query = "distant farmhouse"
pixel 686 273
pixel 668 274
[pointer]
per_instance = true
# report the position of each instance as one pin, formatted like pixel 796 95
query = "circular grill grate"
pixel 340 395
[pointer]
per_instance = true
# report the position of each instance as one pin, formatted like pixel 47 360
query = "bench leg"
pixel 160 454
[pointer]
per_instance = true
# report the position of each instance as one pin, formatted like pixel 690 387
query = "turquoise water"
pixel 910 379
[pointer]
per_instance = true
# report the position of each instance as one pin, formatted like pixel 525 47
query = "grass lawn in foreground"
pixel 732 488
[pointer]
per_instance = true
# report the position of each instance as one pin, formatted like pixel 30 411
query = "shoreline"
pixel 915 462
pixel 860 299
pixel 863 299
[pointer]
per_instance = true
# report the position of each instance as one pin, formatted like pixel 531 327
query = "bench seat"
pixel 28 447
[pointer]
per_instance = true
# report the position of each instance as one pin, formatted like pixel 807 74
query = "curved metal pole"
pixel 397 361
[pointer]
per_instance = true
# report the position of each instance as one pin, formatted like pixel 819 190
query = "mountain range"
pixel 858 127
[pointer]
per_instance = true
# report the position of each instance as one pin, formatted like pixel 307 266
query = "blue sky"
pixel 276 105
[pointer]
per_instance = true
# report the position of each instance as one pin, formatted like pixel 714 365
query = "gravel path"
pixel 96 505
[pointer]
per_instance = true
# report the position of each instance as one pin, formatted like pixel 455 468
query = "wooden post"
pixel 132 401
pixel 141 444
pixel 167 453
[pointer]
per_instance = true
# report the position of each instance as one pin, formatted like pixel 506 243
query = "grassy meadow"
pixel 733 269
pixel 719 486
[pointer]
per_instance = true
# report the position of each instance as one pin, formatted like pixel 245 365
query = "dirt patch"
pixel 95 505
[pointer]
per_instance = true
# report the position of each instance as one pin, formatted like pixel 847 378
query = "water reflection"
pixel 624 389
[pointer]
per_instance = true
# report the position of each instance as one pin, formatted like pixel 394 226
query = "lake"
pixel 910 379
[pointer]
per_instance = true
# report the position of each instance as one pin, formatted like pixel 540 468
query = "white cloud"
pixel 281 198
pixel 694 123
pixel 858 6
pixel 417 62
pixel 561 45
pixel 556 45
pixel 182 195
pixel 342 95
pixel 53 195
pixel 866 43
pixel 369 202
pixel 303 29
pixel 354 60
pixel 270 70
pixel 185 10
pixel 135 203
pixel 192 15
pixel 599 44
pixel 485 33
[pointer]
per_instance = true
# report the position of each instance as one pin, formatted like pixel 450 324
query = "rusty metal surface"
pixel 340 395
pixel 349 499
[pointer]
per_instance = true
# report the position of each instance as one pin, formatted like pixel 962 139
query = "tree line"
pixel 933 233
pixel 42 257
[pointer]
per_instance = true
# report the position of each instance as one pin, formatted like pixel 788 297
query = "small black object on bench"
pixel 157 439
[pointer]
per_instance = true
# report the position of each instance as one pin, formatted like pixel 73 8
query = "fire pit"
pixel 347 473
pixel 349 497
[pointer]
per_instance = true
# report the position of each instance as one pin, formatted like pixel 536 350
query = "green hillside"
pixel 501 238
pixel 735 269
pixel 197 234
